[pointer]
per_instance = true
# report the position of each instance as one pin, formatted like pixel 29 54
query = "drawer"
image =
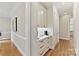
pixel 42 52
pixel 47 43
pixel 44 45
pixel 42 48
pixel 43 41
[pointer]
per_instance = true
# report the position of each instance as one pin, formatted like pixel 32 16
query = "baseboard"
pixel 77 52
pixel 17 44
pixel 65 38
pixel 54 45
pixel 4 41
pixel 18 48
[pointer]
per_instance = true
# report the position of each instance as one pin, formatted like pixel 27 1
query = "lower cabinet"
pixel 40 47
pixel 43 46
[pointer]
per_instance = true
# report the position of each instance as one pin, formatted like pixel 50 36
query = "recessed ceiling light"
pixel 63 3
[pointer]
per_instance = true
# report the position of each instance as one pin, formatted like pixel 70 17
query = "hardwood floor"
pixel 7 48
pixel 63 48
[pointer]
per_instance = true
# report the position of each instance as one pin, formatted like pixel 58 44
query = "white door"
pixel 55 24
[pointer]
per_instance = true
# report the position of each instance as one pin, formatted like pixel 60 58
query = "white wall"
pixel 5 28
pixel 64 27
pixel 53 25
pixel 50 20
pixel 21 37
pixel 50 25
pixel 76 27
pixel 34 47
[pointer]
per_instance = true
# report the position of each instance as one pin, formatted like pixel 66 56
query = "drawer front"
pixel 43 46
pixel 44 43
pixel 41 42
pixel 42 52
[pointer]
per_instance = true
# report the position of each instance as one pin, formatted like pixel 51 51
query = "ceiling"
pixel 47 4
pixel 6 8
pixel 64 8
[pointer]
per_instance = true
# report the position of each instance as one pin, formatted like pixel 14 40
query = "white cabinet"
pixel 41 15
pixel 43 46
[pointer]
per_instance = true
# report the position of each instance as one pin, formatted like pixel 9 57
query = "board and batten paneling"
pixel 21 37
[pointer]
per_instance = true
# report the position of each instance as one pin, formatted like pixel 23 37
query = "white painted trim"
pixel 77 52
pixel 5 32
pixel 8 32
pixel 65 38
pixel 29 31
pixel 5 38
pixel 20 36
pixel 3 41
pixel 53 47
pixel 15 42
pixel 18 48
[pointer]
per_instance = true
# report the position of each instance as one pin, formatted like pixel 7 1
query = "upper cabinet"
pixel 41 15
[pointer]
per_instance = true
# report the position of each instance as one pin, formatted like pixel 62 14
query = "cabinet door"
pixel 41 15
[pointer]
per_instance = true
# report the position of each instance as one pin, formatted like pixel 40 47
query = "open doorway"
pixel 63 29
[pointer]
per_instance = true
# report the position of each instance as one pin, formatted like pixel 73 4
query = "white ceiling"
pixel 6 8
pixel 47 4
pixel 64 8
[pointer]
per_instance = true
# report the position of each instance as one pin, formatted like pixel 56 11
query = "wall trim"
pixel 16 44
pixel 18 48
pixel 20 36
pixel 64 38
pixel 3 41
pixel 77 52
pixel 4 37
pixel 6 32
pixel 54 45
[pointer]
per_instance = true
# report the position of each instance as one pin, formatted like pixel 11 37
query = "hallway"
pixel 63 48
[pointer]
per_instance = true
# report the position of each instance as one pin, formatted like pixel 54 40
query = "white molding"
pixel 29 30
pixel 18 48
pixel 6 32
pixel 5 38
pixel 16 44
pixel 2 41
pixel 53 47
pixel 20 36
pixel 77 52
pixel 64 38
